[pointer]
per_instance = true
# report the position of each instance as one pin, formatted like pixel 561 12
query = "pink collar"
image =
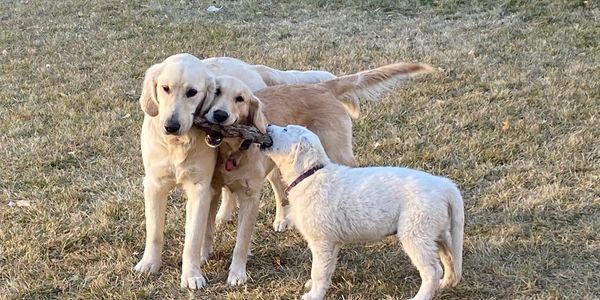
pixel 304 176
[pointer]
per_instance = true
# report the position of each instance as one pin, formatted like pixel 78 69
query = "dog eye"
pixel 285 130
pixel 166 89
pixel 191 93
pixel 239 99
pixel 218 92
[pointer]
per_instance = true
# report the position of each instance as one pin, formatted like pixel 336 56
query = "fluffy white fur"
pixel 339 205
pixel 174 153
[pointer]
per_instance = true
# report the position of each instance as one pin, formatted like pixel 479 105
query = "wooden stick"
pixel 244 132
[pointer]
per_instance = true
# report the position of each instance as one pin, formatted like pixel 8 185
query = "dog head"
pixel 295 148
pixel 234 103
pixel 175 89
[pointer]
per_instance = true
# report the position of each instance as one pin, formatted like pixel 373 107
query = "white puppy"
pixel 333 205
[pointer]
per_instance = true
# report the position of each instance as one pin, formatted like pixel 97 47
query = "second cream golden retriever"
pixel 325 108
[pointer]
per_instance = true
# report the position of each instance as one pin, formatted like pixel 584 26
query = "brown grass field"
pixel 513 116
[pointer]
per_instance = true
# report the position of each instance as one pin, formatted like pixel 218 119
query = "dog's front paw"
pixel 192 279
pixel 148 265
pixel 237 278
pixel 282 224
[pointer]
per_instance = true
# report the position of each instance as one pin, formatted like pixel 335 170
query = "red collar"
pixel 304 176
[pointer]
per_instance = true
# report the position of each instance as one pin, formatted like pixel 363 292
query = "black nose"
pixel 172 126
pixel 220 116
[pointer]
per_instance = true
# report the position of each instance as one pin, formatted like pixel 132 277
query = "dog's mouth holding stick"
pixel 215 133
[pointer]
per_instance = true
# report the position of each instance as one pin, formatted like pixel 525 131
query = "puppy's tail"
pixel 456 211
pixel 371 84
pixel 276 77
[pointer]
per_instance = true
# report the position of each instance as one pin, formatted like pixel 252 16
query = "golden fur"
pixel 325 108
pixel 174 153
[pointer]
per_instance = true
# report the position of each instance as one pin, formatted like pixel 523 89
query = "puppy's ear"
pixel 256 116
pixel 148 100
pixel 303 142
pixel 303 157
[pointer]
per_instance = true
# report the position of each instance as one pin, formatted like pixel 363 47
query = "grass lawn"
pixel 513 116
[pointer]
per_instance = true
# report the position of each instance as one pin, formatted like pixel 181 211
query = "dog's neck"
pixel 292 169
pixel 303 176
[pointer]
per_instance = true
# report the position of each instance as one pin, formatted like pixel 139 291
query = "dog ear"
pixel 148 100
pixel 212 84
pixel 303 142
pixel 303 157
pixel 256 116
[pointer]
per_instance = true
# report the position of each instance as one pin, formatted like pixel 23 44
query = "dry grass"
pixel 70 78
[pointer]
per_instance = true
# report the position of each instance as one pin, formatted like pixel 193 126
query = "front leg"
pixel 196 217
pixel 247 218
pixel 155 202
pixel 324 258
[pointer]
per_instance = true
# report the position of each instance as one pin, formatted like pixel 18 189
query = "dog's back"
pixel 316 108
pixel 379 201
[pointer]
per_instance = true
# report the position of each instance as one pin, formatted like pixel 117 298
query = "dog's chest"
pixel 187 160
pixel 239 169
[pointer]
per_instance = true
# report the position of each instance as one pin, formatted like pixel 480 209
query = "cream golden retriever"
pixel 174 153
pixel 325 108
pixel 334 205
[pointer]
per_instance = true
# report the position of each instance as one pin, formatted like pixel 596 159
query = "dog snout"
pixel 220 116
pixel 172 126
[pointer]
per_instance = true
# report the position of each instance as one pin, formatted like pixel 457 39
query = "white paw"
pixel 308 284
pixel 282 224
pixel 237 278
pixel 193 280
pixel 309 296
pixel 148 265
pixel 445 283
pixel 224 217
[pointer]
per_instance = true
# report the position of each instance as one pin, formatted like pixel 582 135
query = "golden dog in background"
pixel 325 108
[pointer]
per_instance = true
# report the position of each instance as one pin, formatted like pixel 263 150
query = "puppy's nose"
pixel 220 116
pixel 172 126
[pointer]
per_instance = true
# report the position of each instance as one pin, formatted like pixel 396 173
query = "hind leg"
pixel 282 220
pixel 336 138
pixel 337 142
pixel 445 246
pixel 247 218
pixel 424 257
pixel 225 212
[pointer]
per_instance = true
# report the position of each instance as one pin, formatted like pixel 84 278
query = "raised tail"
pixel 276 77
pixel 371 84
